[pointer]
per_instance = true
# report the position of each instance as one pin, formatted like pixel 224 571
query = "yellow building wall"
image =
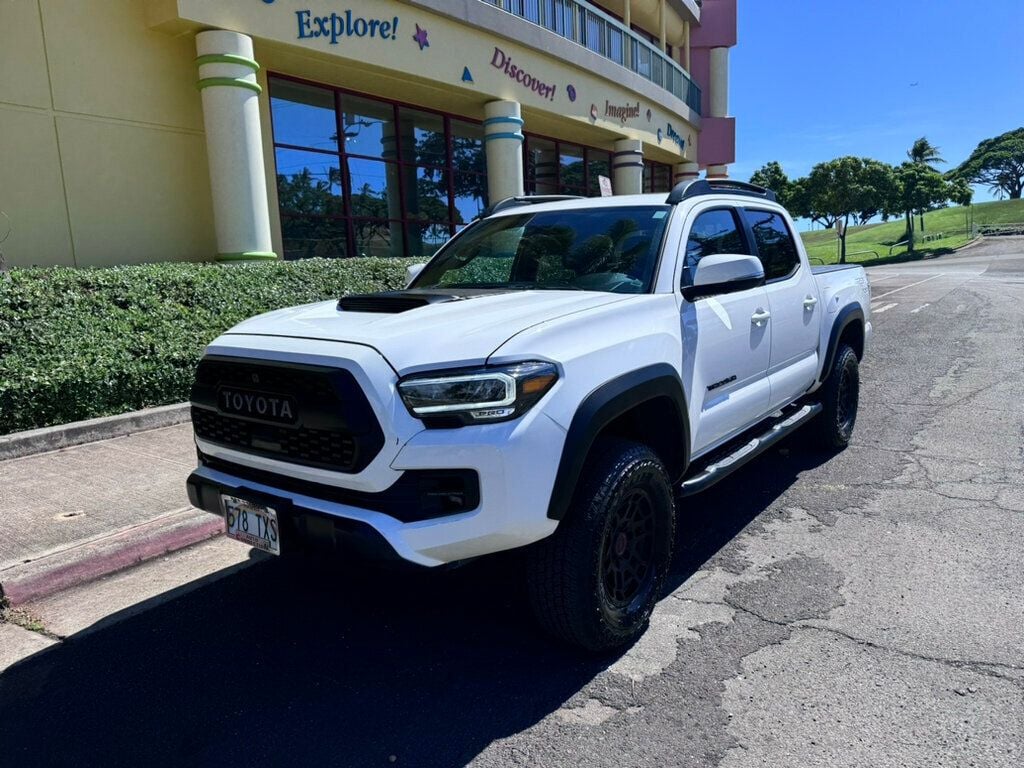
pixel 102 158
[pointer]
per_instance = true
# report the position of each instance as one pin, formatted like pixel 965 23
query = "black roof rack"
pixel 515 202
pixel 687 189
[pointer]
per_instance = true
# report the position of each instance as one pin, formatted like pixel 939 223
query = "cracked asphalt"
pixel 863 609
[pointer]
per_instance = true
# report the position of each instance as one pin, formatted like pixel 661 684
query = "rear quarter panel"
pixel 839 288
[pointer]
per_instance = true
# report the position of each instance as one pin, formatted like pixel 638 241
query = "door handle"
pixel 809 302
pixel 760 317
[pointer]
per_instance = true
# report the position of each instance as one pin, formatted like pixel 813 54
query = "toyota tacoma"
pixel 561 376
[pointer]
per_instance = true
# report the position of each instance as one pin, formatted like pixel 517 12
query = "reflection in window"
pixel 308 182
pixel 554 167
pixel 598 164
pixel 374 188
pixel 541 166
pixel 713 232
pixel 426 237
pixel 611 249
pixel 369 127
pixel 373 237
pixel 383 169
pixel 303 116
pixel 428 193
pixel 306 237
pixel 400 182
pixel 572 169
pixel 657 177
pixel 775 246
pixel 423 138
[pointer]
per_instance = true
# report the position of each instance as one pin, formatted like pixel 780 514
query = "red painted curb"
pixel 55 573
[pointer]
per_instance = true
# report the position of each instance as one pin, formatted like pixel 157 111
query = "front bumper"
pixel 515 463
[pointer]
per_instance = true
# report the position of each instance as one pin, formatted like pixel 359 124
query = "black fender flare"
pixel 847 316
pixel 599 409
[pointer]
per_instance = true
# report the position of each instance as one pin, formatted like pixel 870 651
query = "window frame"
pixel 741 228
pixel 752 241
pixel 530 185
pixel 341 157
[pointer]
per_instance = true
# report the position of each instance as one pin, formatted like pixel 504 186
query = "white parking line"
pixel 897 290
pixel 915 311
pixel 885 308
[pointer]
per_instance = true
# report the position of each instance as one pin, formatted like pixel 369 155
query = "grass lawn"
pixel 951 222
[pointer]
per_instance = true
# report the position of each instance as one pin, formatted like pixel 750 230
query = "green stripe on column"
pixel 228 58
pixel 246 256
pixel 235 82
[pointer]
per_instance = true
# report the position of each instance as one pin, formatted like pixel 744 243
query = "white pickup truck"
pixel 560 376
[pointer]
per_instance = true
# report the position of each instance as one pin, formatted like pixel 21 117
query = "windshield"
pixel 587 249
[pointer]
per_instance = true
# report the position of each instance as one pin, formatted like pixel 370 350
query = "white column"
pixel 231 117
pixel 628 167
pixel 718 99
pixel 503 142
pixel 684 172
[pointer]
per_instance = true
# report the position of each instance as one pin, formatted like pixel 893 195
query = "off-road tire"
pixel 621 522
pixel 833 428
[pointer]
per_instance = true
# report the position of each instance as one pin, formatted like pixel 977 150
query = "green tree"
pixel 771 176
pixel 919 188
pixel 847 187
pixel 997 163
pixel 801 204
pixel 923 152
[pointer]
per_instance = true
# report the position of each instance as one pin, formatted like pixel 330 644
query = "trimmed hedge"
pixel 80 343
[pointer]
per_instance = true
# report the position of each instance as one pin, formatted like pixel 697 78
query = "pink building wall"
pixel 718 29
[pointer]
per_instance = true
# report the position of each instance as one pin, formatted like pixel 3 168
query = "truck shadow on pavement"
pixel 357 667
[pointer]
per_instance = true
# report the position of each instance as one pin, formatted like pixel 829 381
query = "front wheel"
pixel 839 397
pixel 595 581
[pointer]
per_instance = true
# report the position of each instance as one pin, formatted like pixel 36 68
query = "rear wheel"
pixel 839 398
pixel 595 581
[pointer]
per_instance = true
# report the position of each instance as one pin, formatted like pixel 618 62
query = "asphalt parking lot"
pixel 858 610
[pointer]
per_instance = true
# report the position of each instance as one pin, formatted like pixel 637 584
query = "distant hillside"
pixel 950 222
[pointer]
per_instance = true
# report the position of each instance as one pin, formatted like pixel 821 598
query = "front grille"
pixel 304 446
pixel 335 427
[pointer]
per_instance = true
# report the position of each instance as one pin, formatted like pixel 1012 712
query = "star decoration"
pixel 421 37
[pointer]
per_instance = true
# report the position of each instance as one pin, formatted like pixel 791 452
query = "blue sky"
pixel 816 79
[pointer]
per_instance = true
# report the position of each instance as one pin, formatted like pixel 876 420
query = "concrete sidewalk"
pixel 79 513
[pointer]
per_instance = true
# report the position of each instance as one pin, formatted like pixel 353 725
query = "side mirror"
pixel 412 272
pixel 724 273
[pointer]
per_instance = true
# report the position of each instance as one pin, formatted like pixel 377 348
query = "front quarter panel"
pixel 596 346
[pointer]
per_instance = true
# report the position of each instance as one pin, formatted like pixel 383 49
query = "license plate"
pixel 252 523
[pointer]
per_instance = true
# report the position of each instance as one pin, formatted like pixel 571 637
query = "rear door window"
pixel 775 245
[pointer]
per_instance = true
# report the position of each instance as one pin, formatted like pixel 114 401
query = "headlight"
pixel 480 395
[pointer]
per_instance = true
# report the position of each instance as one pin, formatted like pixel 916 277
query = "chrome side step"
pixel 756 446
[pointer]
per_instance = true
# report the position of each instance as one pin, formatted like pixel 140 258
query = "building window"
pixel 358 176
pixel 560 168
pixel 657 177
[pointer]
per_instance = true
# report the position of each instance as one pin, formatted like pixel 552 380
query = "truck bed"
pixel 823 268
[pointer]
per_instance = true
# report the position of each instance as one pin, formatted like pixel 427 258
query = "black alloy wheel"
pixel 596 580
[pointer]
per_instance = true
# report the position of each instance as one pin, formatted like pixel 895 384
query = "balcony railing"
pixel 595 30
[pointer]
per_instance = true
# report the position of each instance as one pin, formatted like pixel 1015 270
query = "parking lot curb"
pixel 59 570
pixel 34 441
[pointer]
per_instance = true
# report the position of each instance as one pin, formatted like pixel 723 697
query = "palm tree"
pixel 923 152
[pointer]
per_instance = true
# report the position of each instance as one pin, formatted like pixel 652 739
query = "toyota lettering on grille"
pixel 257 405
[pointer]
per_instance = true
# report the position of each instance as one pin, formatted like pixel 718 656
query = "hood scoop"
pixel 393 302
